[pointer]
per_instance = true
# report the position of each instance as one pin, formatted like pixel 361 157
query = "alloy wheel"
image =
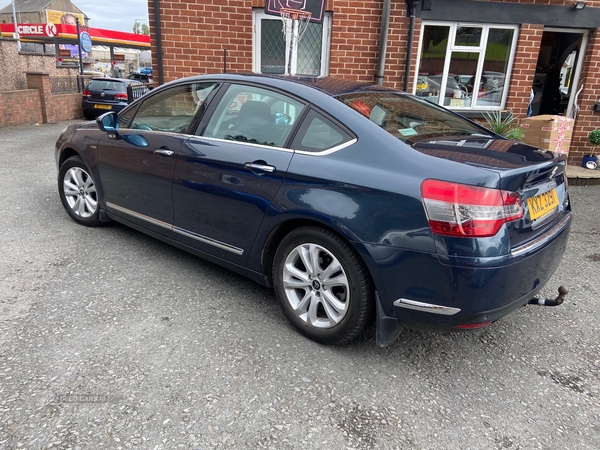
pixel 316 285
pixel 80 192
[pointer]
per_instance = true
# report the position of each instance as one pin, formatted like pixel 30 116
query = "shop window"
pixel 465 66
pixel 310 57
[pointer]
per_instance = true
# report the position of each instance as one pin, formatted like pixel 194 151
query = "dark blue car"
pixel 354 202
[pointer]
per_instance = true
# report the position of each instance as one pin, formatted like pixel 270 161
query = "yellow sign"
pixel 53 16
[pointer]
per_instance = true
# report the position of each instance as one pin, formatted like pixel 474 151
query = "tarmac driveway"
pixel 111 339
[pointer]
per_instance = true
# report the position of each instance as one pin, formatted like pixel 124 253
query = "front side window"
pixel 465 65
pixel 274 52
pixel 254 115
pixel 171 110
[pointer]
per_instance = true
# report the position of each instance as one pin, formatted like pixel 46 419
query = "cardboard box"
pixel 552 133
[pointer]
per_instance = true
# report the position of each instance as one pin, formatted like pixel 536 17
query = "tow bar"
pixel 562 293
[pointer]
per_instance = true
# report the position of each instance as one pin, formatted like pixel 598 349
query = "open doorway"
pixel 557 72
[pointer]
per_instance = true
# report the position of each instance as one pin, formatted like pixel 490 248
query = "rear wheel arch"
pixel 283 229
pixel 323 284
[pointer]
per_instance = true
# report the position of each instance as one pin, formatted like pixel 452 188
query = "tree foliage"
pixel 141 28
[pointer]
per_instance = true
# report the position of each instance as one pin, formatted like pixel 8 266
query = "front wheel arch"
pixel 78 192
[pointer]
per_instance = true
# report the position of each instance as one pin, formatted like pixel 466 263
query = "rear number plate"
pixel 102 106
pixel 542 204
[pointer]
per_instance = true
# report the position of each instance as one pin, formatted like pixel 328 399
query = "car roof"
pixel 332 86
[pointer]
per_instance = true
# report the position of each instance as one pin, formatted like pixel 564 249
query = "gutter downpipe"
pixel 411 31
pixel 159 49
pixel 385 26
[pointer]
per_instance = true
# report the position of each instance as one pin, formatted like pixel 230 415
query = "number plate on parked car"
pixel 542 204
pixel 102 106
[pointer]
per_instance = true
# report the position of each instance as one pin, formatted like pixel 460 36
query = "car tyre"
pixel 323 286
pixel 78 192
pixel 89 115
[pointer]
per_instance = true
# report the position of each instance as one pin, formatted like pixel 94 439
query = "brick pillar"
pixel 41 82
pixel 588 119
pixel 528 49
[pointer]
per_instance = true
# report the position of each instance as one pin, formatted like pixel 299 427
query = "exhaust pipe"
pixel 562 294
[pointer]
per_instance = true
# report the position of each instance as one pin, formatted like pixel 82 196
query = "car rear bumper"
pixel 420 292
pixel 92 106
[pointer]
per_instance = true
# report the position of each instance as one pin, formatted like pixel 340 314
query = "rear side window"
pixel 319 133
pixel 101 85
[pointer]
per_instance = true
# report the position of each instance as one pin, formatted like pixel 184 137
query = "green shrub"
pixel 594 137
pixel 506 126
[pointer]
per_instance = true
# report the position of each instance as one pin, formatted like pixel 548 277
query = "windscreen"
pixel 409 118
pixel 101 85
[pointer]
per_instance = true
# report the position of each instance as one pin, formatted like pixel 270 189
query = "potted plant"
pixel 591 161
pixel 505 125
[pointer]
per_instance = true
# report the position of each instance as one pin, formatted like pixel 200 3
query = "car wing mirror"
pixel 109 122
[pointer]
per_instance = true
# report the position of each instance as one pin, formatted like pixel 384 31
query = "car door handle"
pixel 262 167
pixel 164 152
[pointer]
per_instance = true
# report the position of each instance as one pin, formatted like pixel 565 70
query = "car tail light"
pixel 461 210
pixel 87 93
pixel 121 96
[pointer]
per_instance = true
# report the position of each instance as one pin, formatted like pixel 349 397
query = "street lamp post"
pixel 14 11
pixel 79 45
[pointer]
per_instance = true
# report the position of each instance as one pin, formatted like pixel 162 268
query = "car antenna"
pixel 224 60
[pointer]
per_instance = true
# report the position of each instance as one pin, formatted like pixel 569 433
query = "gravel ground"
pixel 110 339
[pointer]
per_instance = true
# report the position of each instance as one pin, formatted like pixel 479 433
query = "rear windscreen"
pixel 101 85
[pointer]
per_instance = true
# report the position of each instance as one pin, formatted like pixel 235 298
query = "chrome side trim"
pixel 541 240
pixel 287 150
pixel 143 217
pixel 167 226
pixel 231 141
pixel 329 151
pixel 209 241
pixel 426 307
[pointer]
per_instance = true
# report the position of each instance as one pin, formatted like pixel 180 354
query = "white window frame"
pixel 258 15
pixel 452 47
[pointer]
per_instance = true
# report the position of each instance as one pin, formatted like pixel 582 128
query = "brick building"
pixel 469 55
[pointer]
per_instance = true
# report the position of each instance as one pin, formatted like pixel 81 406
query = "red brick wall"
pixel 195 33
pixel 37 104
pixel 20 107
pixel 66 106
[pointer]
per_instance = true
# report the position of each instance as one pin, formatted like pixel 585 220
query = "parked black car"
pixel 141 77
pixel 352 201
pixel 105 94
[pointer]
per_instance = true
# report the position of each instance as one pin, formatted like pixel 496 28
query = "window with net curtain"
pixel 465 65
pixel 309 58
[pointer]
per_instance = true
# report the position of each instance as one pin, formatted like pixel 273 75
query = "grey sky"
pixel 119 15
pixel 114 14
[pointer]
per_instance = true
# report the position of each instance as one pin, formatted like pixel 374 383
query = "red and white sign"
pixel 43 31
pixel 48 30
